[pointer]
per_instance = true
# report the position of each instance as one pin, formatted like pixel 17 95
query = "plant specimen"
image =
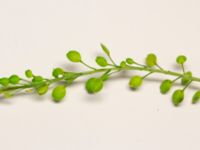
pixel 10 86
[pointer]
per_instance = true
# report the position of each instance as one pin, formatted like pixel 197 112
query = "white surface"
pixel 36 34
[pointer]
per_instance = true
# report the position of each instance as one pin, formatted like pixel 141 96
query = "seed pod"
pixel 59 93
pixel 130 61
pixel 94 85
pixel 181 59
pixel 4 81
pixel 42 89
pixel 14 79
pixel 57 72
pixel 37 79
pixel 196 97
pixel 28 73
pixel 74 56
pixel 186 78
pixel 105 49
pixel 151 60
pixel 123 64
pixel 177 97
pixel 135 82
pixel 101 61
pixel 165 86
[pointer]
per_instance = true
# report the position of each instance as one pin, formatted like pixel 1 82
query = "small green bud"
pixel 165 86
pixel 57 72
pixel 94 85
pixel 105 49
pixel 101 61
pixel 42 89
pixel 181 59
pixel 28 73
pixel 37 79
pixel 59 93
pixel 186 78
pixel 130 61
pixel 123 64
pixel 14 79
pixel 4 81
pixel 177 97
pixel 151 60
pixel 135 82
pixel 196 97
pixel 74 56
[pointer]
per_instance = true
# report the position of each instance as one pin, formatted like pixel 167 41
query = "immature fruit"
pixel 165 86
pixel 151 60
pixel 196 97
pixel 181 59
pixel 14 79
pixel 177 97
pixel 28 73
pixel 4 81
pixel 37 79
pixel 42 89
pixel 105 49
pixel 94 85
pixel 130 61
pixel 186 78
pixel 123 64
pixel 57 72
pixel 101 61
pixel 135 82
pixel 59 93
pixel 74 56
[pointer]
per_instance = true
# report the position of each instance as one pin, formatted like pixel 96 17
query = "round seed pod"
pixel 186 78
pixel 59 93
pixel 177 97
pixel 151 60
pixel 94 85
pixel 181 59
pixel 74 56
pixel 14 79
pixel 196 97
pixel 135 82
pixel 57 72
pixel 165 86
pixel 101 61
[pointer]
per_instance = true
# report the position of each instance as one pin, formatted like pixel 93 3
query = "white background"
pixel 37 34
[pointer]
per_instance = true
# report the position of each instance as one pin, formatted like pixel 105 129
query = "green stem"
pixel 87 65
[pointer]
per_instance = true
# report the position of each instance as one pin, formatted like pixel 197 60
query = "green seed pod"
pixel 74 56
pixel 14 79
pixel 177 97
pixel 135 82
pixel 101 61
pixel 151 60
pixel 123 64
pixel 28 73
pixel 4 81
pixel 57 72
pixel 165 86
pixel 181 59
pixel 37 79
pixel 196 97
pixel 186 78
pixel 42 89
pixel 94 85
pixel 130 61
pixel 105 49
pixel 59 93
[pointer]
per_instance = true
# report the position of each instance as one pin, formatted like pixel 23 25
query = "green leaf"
pixel 59 93
pixel 74 56
pixel 135 82
pixel 181 59
pixel 14 79
pixel 101 61
pixel 186 78
pixel 57 72
pixel 42 89
pixel 177 97
pixel 165 86
pixel 94 85
pixel 151 60
pixel 196 97
pixel 105 49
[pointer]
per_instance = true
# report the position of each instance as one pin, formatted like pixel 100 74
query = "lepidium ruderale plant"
pixel 10 86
